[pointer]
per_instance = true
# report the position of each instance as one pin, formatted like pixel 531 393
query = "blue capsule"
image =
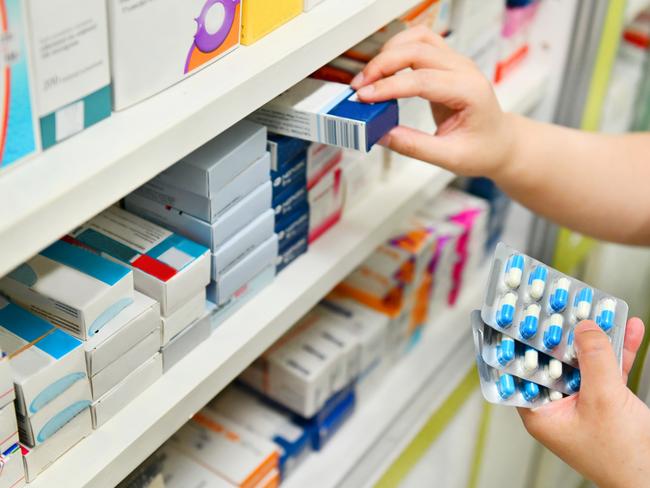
pixel 574 381
pixel 571 350
pixel 514 271
pixel 506 351
pixel 606 314
pixel 560 296
pixel 553 333
pixel 506 386
pixel 582 303
pixel 506 312
pixel 537 282
pixel 529 390
pixel 528 326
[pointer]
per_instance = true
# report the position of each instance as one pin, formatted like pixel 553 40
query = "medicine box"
pixel 325 204
pixel 7 393
pixel 326 423
pixel 8 428
pixel 175 323
pixel 40 457
pixel 294 175
pixel 230 451
pixel 210 235
pixel 167 267
pixel 292 227
pixel 242 271
pixel 283 150
pixel 126 391
pixel 127 329
pixel 210 208
pixel 72 287
pixel 19 126
pixel 44 360
pixel 69 53
pixel 292 252
pixel 180 470
pixel 119 369
pixel 330 113
pixel 243 242
pixel 215 164
pixel 321 159
pixel 190 337
pixel 13 470
pixel 143 62
pixel 259 17
pixel 37 428
pixel 291 201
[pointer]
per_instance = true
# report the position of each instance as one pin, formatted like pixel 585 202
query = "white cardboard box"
pixel 40 457
pixel 188 339
pixel 119 369
pixel 167 267
pixel 209 208
pixel 122 333
pixel 12 474
pixel 71 287
pixel 8 428
pixel 210 235
pixel 118 397
pixel 7 392
pixel 45 361
pixel 182 318
pixel 143 62
pixel 180 470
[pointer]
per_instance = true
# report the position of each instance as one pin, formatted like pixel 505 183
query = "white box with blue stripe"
pixel 72 287
pixel 167 267
pixel 13 470
pixel 329 113
pixel 48 367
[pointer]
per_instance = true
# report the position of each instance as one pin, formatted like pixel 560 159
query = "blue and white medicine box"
pixel 167 267
pixel 294 175
pixel 72 287
pixel 292 252
pixel 291 201
pixel 292 227
pixel 45 361
pixel 284 150
pixel 329 113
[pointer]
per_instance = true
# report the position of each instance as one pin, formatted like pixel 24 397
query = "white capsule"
pixel 531 359
pixel 555 395
pixel 556 319
pixel 514 271
pixel 555 369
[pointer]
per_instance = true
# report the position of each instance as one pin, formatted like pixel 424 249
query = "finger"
pixel 413 143
pixel 541 422
pixel 415 34
pixel 598 365
pixel 633 338
pixel 416 55
pixel 444 87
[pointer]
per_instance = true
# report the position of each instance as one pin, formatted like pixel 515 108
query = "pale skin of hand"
pixel 591 183
pixel 594 184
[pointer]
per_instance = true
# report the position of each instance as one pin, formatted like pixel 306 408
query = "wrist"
pixel 508 170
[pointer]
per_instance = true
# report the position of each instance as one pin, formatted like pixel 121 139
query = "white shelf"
pixel 382 426
pixel 111 452
pixel 634 8
pixel 523 89
pixel 48 196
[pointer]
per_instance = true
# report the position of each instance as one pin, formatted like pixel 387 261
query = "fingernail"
pixel 357 80
pixel 366 91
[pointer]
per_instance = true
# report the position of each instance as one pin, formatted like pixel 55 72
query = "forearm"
pixel 594 184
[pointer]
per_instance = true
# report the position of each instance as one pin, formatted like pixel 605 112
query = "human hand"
pixel 603 431
pixel 474 137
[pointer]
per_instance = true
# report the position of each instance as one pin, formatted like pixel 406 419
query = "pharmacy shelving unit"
pixel 385 422
pixel 50 195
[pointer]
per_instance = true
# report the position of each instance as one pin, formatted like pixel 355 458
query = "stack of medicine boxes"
pixel 170 270
pixel 220 196
pixel 11 459
pixel 80 292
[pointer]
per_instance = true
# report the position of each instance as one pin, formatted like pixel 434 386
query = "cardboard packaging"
pixel 242 271
pixel 292 252
pixel 243 243
pixel 210 235
pixel 292 228
pixel 321 159
pixel 330 418
pixel 105 407
pixel 210 208
pixel 181 470
pixel 329 113
pixel 69 54
pixel 197 33
pixel 44 360
pixel 295 175
pixel 127 329
pixel 325 204
pixel 215 164
pixel 40 457
pixel 290 201
pixel 71 287
pixel 7 393
pixel 283 150
pixel 183 317
pixel 259 17
pixel 184 342
pixel 166 266
pixel 19 126
pixel 8 428
pixel 12 474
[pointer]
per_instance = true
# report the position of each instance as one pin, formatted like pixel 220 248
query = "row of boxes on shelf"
pixel 300 391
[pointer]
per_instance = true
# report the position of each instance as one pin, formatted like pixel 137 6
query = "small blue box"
pixel 284 149
pixel 293 251
pixel 290 201
pixel 292 227
pixel 293 176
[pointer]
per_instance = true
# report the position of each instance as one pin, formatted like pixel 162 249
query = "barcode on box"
pixel 342 133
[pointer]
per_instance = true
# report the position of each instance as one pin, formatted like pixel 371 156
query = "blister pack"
pixel 539 306
pixel 517 359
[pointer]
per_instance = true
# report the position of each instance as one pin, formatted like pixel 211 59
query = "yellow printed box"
pixel 260 17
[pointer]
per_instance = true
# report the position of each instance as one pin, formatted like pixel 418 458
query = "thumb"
pixel 599 369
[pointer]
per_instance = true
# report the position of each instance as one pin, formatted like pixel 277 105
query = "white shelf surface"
pixel 114 450
pixel 44 198
pixel 524 88
pixel 385 423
